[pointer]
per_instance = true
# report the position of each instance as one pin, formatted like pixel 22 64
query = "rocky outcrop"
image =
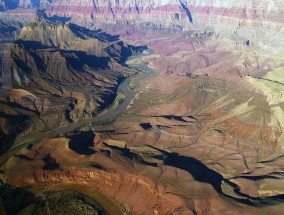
pixel 171 13
pixel 20 15
pixel 217 131
pixel 132 191
pixel 175 13
pixel 129 176
pixel 80 11
pixel 26 4
pixel 254 23
pixel 71 71
pixel 9 31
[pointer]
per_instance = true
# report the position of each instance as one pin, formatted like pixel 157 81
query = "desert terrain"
pixel 141 107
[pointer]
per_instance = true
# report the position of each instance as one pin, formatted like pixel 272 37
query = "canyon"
pixel 141 107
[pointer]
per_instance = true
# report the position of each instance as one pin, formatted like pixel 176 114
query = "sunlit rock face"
pixel 207 126
pixel 176 12
pixel 258 23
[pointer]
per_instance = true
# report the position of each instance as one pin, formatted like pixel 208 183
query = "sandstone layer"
pixel 66 73
pixel 203 134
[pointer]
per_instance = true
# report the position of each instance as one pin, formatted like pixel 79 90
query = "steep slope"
pixel 9 31
pixel 256 23
pixel 203 135
pixel 70 72
pixel 170 13
pixel 176 12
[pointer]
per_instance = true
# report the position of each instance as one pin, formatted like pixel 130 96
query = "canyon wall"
pixel 236 18
pixel 176 12
pixel 256 23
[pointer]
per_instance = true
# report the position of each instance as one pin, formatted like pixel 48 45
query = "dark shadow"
pixel 109 98
pixel 107 37
pixel 98 166
pixel 84 33
pixel 14 126
pixel 7 29
pixel 67 116
pixel 39 62
pixel 119 52
pixel 137 49
pixel 21 64
pixel 18 106
pixel 11 4
pixel 187 11
pixel 202 173
pixel 77 60
pixel 67 111
pixel 146 126
pixel 15 199
pixel 191 75
pixel 36 3
pixel 177 118
pixel 50 163
pixel 125 152
pixel 82 142
pixel 198 170
pixel 58 19
pixel 31 44
pixel 23 157
pixel 92 60
pixel 7 142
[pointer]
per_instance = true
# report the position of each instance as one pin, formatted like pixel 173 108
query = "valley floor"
pixel 203 134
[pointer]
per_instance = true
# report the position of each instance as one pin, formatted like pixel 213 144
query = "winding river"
pixel 129 93
pixel 106 203
pixel 104 116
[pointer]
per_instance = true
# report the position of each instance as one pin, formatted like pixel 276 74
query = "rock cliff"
pixel 176 12
pixel 71 72
pixel 203 135
pixel 254 22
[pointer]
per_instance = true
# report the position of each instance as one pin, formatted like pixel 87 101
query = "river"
pixel 106 115
pixel 103 200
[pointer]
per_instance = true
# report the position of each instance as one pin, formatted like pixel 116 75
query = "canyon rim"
pixel 141 107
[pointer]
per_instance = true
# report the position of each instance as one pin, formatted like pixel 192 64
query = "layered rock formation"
pixel 245 20
pixel 204 135
pixel 172 13
pixel 9 31
pixel 70 72
pixel 180 13
pixel 252 22
pixel 113 170
pixel 20 15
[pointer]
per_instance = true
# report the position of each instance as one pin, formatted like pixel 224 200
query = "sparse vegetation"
pixel 132 84
pixel 106 122
pixel 118 100
pixel 64 202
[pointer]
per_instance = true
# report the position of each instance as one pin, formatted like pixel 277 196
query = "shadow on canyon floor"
pixel 15 199
pixel 82 142
pixel 202 173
